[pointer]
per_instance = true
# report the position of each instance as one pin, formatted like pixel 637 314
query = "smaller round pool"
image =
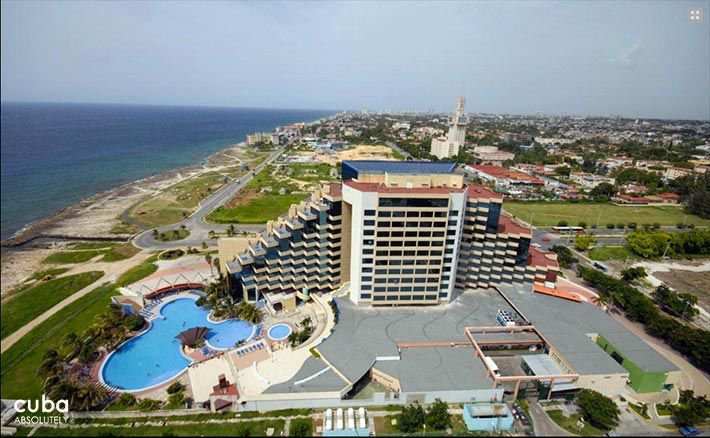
pixel 279 332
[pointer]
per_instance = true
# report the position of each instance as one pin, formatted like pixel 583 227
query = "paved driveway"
pixel 544 426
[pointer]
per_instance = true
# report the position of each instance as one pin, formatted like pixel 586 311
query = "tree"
pixel 677 304
pixel 175 387
pixel 632 274
pixel 208 259
pixel 690 409
pixel 562 223
pixel 599 410
pixel 437 416
pixel 603 189
pixel 564 256
pixel 583 241
pixel 412 418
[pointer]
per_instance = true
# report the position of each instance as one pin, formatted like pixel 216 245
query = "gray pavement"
pixel 543 424
pixel 196 224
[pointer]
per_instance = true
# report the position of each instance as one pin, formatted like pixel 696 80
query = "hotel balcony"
pixel 282 233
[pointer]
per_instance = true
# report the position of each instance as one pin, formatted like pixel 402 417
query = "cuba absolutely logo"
pixel 44 406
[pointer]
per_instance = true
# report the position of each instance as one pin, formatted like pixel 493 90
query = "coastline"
pixel 91 217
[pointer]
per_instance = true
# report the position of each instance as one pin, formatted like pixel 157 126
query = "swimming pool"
pixel 155 356
pixel 279 332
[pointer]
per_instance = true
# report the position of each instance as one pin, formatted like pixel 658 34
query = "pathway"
pixel 543 424
pixel 111 272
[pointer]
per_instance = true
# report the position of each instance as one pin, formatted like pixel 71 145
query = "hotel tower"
pixel 391 233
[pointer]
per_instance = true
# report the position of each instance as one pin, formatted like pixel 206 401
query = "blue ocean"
pixel 54 155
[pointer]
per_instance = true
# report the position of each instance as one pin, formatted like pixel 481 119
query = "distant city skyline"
pixel 642 59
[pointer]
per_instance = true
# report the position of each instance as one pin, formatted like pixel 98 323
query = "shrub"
pixel 126 399
pixel 175 387
pixel 133 322
pixel 148 404
pixel 610 226
pixel 301 427
pixel 582 224
pixel 680 225
pixel 562 223
pixel 656 226
pixel 621 225
pixel 177 398
pixel 632 225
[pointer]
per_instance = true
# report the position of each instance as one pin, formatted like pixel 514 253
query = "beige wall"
pixel 228 248
pixel 385 379
pixel 345 241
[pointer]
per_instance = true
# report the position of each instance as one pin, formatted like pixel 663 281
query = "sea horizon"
pixel 54 155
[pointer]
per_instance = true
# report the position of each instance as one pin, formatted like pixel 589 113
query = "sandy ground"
pixel 358 152
pixel 17 265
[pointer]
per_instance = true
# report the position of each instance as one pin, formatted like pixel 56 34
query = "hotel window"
pixel 427 214
pixel 383 233
pixel 367 251
pixel 397 214
pixel 410 234
pixel 410 253
pixel 380 289
pixel 410 243
pixel 366 270
pixel 369 212
pixel 384 224
pixel 454 213
pixel 366 287
pixel 396 243
pixel 440 214
pixel 412 214
pixel 368 242
pixel 379 298
pixel 405 289
pixel 381 254
pixel 365 296
pixel 397 233
pixel 405 297
pixel 398 224
pixel 425 234
pixel 452 223
pixel 366 261
pixel 369 222
pixel 438 234
pixel 380 271
pixel 368 233
pixel 384 214
pixel 366 279
pixel 420 271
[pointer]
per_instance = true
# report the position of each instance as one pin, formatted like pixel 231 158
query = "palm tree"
pixel 73 342
pixel 90 396
pixel 215 262
pixel 51 364
pixel 306 323
pixel 208 259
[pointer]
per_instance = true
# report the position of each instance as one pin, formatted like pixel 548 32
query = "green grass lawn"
pixel 312 172
pixel 661 409
pixel 69 257
pixel 173 235
pixel 304 424
pixel 19 363
pixel 30 303
pixel 548 214
pixel 48 272
pixel 256 211
pixel 639 410
pixel 121 252
pixel 604 253
pixel 247 428
pixel 384 427
pixel 570 424
pixel 91 245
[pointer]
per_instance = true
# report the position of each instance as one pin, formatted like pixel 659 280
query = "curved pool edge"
pixel 146 330
pixel 280 324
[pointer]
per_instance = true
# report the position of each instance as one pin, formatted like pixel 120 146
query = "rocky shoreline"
pixel 98 216
pixel 94 218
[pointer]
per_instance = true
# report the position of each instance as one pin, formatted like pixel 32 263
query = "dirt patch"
pixel 244 197
pixel 688 281
pixel 359 152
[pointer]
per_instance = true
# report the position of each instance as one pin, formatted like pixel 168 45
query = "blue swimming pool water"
pixel 279 331
pixel 155 356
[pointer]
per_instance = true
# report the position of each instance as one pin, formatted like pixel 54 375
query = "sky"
pixel 632 58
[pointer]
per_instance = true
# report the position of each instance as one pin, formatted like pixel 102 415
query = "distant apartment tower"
pixel 442 147
pixel 400 233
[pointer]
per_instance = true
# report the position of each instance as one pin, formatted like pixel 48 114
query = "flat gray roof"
pixel 437 369
pixel 566 325
pixel 365 333
pixel 322 379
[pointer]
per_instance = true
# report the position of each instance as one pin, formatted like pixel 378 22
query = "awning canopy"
pixel 193 335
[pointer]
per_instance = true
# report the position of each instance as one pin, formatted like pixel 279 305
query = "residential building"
pixel 456 137
pixel 492 155
pixel 589 180
pixel 502 177
pixel 676 172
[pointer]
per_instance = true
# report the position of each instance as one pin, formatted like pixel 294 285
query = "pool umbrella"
pixel 192 336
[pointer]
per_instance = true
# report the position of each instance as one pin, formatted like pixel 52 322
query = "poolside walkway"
pixel 111 272
pixel 285 363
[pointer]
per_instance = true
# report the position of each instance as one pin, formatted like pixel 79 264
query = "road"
pixel 407 155
pixel 543 424
pixel 196 224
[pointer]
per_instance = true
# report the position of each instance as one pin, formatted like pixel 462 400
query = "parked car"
pixel 689 431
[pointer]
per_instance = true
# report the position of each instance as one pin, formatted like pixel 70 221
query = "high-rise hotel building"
pixel 399 233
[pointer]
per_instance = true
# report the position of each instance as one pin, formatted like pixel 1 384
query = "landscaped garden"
pixel 80 252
